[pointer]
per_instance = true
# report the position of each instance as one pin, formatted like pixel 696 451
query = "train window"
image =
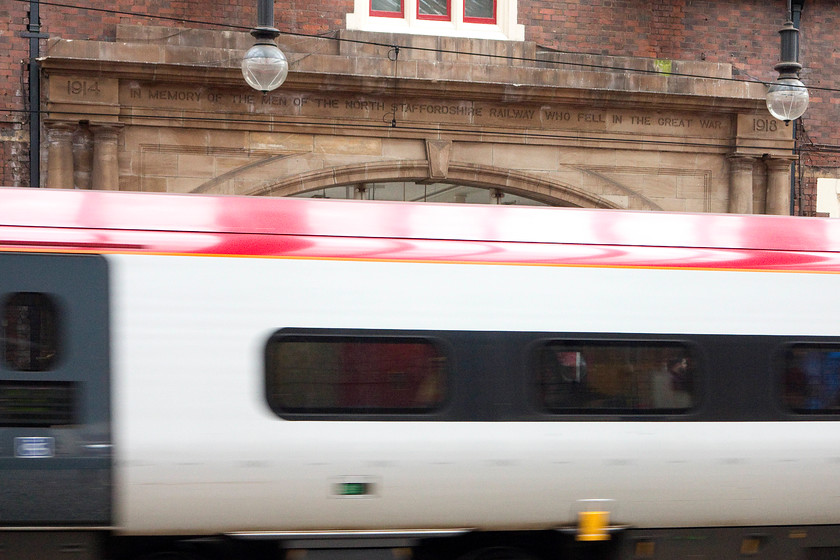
pixel 812 379
pixel 615 376
pixel 30 332
pixel 354 374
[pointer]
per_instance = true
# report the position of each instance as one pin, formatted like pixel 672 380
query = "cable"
pixel 421 49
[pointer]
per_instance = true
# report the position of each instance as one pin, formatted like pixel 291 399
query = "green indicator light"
pixel 353 488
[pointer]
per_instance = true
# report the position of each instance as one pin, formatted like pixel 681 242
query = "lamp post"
pixel 264 66
pixel 787 98
pixel 33 33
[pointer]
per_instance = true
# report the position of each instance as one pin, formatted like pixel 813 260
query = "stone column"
pixel 741 184
pixel 106 170
pixel 60 155
pixel 82 157
pixel 778 186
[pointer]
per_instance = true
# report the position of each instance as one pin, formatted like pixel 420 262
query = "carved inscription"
pixel 553 116
pixel 592 117
pixel 466 112
pixel 764 125
pixel 436 109
pixel 760 127
pixel 510 113
pixel 82 89
pixel 381 109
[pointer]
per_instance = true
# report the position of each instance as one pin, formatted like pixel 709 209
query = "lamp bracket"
pixel 265 33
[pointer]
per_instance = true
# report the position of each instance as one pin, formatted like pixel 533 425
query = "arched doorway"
pixel 411 181
pixel 411 191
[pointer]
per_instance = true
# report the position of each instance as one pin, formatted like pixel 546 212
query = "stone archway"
pixel 537 187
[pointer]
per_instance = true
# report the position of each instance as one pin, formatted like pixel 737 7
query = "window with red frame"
pixel 438 10
pixel 480 11
pixel 477 19
pixel 387 8
pixel 474 11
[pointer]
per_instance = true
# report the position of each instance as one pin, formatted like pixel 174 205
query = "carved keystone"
pixel 438 152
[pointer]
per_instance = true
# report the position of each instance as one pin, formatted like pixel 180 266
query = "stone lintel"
pixel 82 112
pixel 654 66
pixel 487 76
pixel 300 111
pixel 363 44
pixel 82 97
pixel 583 91
pixel 758 133
pixel 779 160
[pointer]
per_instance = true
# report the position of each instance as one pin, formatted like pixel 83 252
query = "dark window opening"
pixel 354 374
pixel 616 377
pixel 812 379
pixel 30 332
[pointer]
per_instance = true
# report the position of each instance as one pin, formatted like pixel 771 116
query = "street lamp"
pixel 787 98
pixel 264 66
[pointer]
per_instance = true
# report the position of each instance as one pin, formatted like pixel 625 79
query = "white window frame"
pixel 828 197
pixel 505 29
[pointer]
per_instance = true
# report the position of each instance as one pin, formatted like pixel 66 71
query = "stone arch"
pixel 538 187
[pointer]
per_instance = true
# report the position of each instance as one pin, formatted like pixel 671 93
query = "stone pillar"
pixel 741 184
pixel 60 155
pixel 778 186
pixel 82 157
pixel 106 171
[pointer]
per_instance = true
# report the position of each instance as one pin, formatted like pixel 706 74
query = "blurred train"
pixel 221 377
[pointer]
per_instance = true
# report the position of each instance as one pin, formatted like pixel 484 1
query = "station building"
pixel 606 104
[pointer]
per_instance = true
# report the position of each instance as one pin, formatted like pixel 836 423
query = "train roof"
pixel 100 210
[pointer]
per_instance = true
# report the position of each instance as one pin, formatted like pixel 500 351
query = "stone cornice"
pixel 362 68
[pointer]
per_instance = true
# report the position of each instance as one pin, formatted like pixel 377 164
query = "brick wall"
pixel 743 33
pixel 13 142
pixel 300 16
pixel 675 29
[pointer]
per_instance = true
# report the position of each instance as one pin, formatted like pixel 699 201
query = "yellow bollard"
pixel 592 526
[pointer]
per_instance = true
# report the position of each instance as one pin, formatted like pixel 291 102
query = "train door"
pixel 55 440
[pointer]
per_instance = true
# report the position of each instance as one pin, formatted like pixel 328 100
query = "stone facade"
pixel 158 117
pixel 154 108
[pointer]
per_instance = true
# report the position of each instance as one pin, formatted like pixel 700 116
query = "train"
pixel 193 376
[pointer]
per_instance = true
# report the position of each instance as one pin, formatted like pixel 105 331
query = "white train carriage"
pixel 343 378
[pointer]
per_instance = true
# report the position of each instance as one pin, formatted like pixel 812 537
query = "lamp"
pixel 264 66
pixel 787 98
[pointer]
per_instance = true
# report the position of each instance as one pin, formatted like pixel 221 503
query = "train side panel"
pixel 55 438
pixel 199 451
